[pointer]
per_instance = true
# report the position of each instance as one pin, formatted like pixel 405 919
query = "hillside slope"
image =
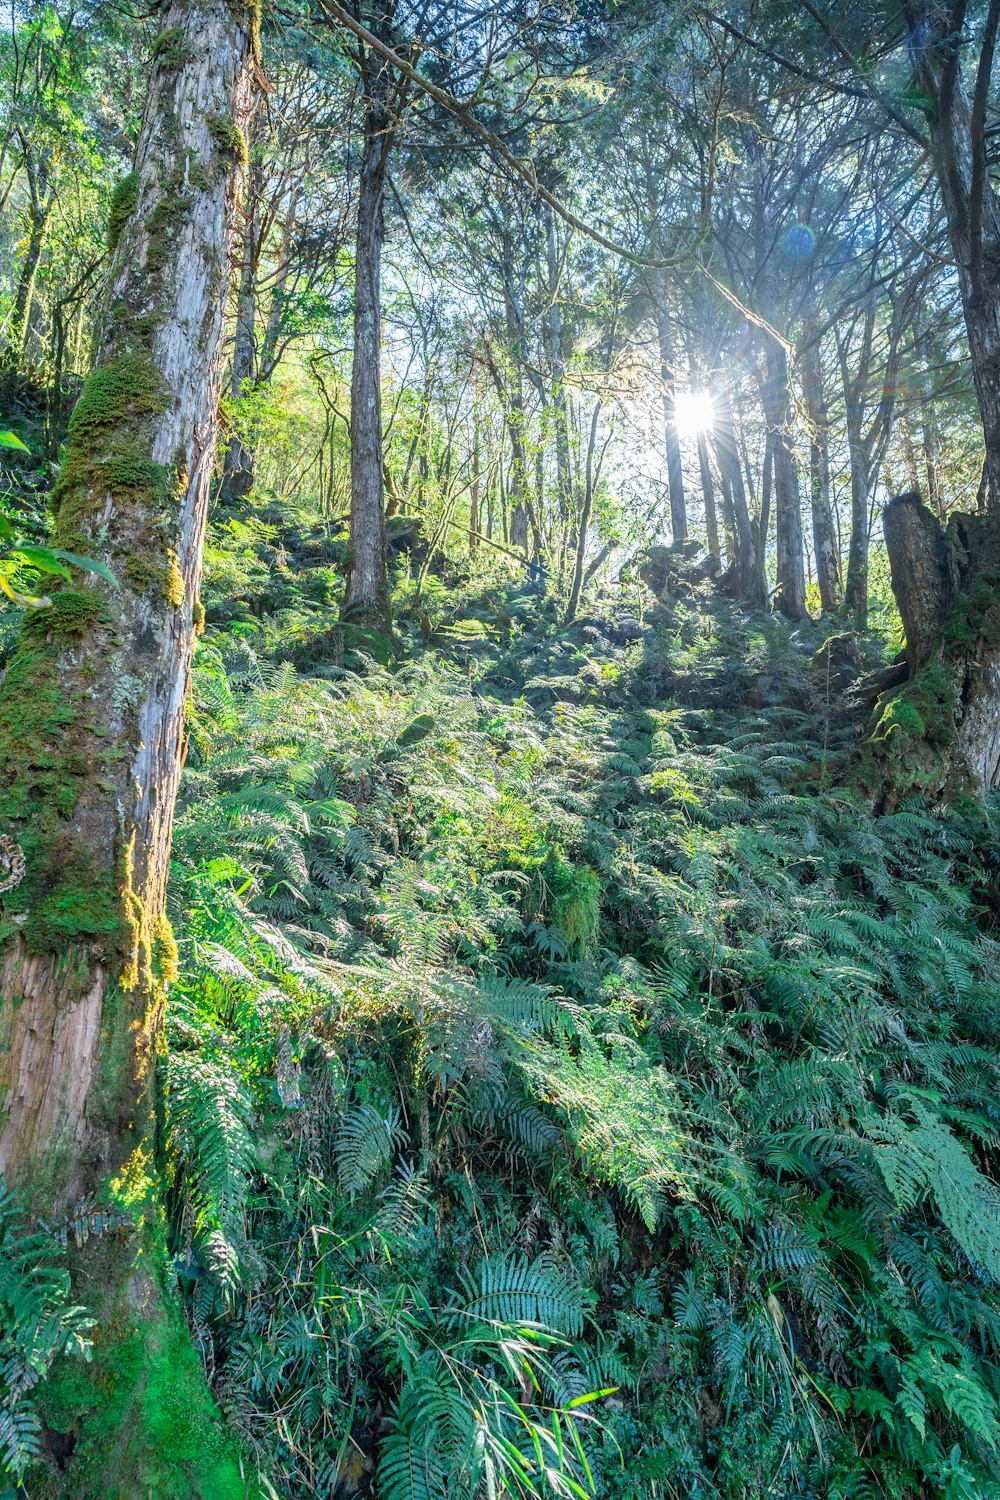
pixel 555 1018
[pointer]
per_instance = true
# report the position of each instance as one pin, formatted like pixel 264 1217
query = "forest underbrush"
pixel 573 1087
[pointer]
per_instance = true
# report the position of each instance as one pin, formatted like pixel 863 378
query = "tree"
pixel 92 705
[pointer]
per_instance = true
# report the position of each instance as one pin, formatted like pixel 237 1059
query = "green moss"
pixel 49 752
pixel 73 612
pixel 198 177
pixel 198 616
pixel 163 580
pixel 164 947
pixel 170 49
pixel 251 11
pixel 161 226
pixel 123 389
pixel 368 641
pixel 914 728
pixel 140 1413
pixel 175 587
pixel 143 576
pixel 229 138
pixel 108 449
pixel 124 200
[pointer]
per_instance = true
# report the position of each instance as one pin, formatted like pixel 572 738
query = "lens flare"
pixel 694 412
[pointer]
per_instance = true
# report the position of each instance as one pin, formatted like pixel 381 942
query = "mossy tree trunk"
pixel 92 704
pixel 940 734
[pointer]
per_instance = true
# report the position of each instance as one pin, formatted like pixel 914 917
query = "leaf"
pixel 11 440
pixel 418 729
pixel 50 560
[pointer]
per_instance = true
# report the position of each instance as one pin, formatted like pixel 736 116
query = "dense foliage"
pixel 554 1019
pixel 561 1057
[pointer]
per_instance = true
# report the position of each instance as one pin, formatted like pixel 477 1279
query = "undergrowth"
pixel 573 1087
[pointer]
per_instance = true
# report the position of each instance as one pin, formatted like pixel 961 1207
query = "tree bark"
pixel 92 704
pixel 856 588
pixel 791 596
pixel 705 473
pixel 918 561
pixel 585 514
pixel 239 471
pixel 824 532
pixel 675 470
pixel 366 600
pixel 744 574
pixel 971 205
pixel 557 363
pixel 940 735
pixel 41 203
pixel 708 494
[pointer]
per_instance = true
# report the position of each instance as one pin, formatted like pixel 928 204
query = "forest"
pixel 500 750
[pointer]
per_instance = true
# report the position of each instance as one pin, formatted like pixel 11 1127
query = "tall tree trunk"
pixel 557 362
pixel 856 588
pixel 824 531
pixel 708 495
pixel 240 464
pixel 930 436
pixel 675 471
pixel 791 596
pixel 92 715
pixel 40 205
pixel 474 497
pixel 745 574
pixel 522 511
pixel 971 205
pixel 585 514
pixel 766 491
pixel 366 601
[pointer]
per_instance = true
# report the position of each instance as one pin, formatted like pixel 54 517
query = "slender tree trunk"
pixel 519 502
pixel 557 362
pixel 675 471
pixel 474 497
pixel 791 596
pixel 856 589
pixel 824 531
pixel 585 514
pixel 366 601
pixel 745 572
pixel 766 490
pixel 40 206
pixel 240 465
pixel 92 716
pixel 708 495
pixel 931 440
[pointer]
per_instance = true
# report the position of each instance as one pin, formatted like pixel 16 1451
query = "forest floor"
pixel 556 1017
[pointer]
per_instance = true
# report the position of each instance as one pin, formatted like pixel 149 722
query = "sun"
pixel 694 412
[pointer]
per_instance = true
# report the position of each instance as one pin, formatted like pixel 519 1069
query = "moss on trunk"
pixel 138 1419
